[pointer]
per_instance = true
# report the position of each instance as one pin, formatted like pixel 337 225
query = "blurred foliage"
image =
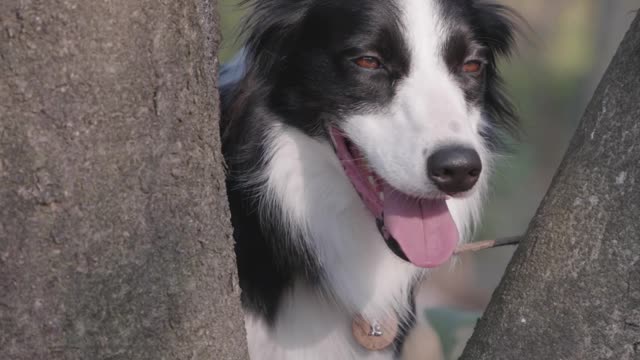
pixel 559 61
pixel 230 16
pixel 453 327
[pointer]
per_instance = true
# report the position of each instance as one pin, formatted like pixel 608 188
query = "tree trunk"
pixel 572 290
pixel 115 239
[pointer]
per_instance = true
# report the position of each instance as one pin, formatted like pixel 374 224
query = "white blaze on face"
pixel 429 110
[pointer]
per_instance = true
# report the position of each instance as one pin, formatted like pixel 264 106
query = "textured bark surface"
pixel 572 290
pixel 115 239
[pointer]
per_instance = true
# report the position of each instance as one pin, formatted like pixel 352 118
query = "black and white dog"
pixel 359 136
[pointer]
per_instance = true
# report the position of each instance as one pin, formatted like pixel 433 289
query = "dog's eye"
pixel 472 67
pixel 368 62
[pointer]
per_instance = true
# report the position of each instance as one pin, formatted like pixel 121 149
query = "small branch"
pixel 488 244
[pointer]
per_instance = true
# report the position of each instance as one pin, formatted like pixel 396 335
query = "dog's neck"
pixel 312 327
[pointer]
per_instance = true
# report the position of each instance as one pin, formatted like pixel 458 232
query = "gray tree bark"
pixel 572 290
pixel 115 239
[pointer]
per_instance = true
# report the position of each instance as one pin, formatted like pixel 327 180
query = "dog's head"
pixel 408 93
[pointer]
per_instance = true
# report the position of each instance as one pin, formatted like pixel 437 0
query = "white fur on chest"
pixel 308 328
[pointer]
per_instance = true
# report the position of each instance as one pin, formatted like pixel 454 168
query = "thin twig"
pixel 488 244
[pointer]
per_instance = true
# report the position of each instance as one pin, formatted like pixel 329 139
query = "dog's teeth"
pixel 372 181
pixel 381 195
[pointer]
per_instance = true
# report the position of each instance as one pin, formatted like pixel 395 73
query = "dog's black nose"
pixel 454 169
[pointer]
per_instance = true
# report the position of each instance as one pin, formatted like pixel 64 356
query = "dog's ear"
pixel 269 28
pixel 496 27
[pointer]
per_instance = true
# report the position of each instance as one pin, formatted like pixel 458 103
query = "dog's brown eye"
pixel 472 67
pixel 368 62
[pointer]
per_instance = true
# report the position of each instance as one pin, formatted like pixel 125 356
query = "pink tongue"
pixel 424 229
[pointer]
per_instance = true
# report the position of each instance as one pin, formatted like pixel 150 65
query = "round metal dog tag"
pixel 376 335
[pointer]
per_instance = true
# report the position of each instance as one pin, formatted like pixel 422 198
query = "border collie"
pixel 359 137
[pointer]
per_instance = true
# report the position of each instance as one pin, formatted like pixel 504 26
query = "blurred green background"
pixel 558 63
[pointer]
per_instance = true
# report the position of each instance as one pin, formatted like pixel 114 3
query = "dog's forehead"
pixel 424 28
pixel 427 27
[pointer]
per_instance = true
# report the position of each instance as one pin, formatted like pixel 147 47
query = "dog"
pixel 359 137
